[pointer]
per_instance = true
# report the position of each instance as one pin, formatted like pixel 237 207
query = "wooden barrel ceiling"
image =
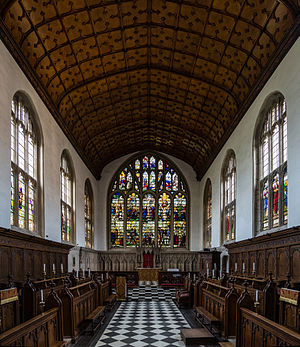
pixel 174 76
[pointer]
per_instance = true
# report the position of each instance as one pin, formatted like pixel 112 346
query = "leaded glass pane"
pixel 12 196
pixel 22 199
pixel 137 164
pixel 160 165
pixel 145 163
pixel 117 220
pixel 275 202
pixel 152 180
pixel 179 237
pixel 168 181
pixel 129 181
pixel 122 180
pixel 31 207
pixel 164 220
pixel 133 220
pixel 285 195
pixel 152 163
pixel 266 202
pixel 148 224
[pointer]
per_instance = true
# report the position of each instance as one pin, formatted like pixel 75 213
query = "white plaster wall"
pixel 12 79
pixel 107 174
pixel 286 80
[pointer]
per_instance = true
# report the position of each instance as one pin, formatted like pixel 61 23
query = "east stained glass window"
pixel 272 190
pixel 229 193
pixel 152 208
pixel 207 203
pixel 66 182
pixel 88 214
pixel 24 206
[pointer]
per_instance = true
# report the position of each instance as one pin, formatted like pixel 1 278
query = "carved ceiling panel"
pixel 170 75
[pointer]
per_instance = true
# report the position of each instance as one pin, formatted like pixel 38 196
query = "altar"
pixel 148 274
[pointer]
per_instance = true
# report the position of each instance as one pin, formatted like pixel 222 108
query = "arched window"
pixel 25 210
pixel 272 174
pixel 66 182
pixel 89 214
pixel 148 201
pixel 228 197
pixel 207 205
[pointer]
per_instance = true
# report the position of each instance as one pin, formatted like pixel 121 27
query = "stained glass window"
pixel 152 209
pixel 272 190
pixel 133 220
pixel 24 207
pixel 229 193
pixel 179 220
pixel 164 220
pixel 207 203
pixel 117 220
pixel 89 214
pixel 66 181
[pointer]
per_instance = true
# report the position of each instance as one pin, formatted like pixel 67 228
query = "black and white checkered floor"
pixel 145 321
pixel 143 293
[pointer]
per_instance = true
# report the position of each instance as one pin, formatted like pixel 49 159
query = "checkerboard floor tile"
pixel 143 293
pixel 139 323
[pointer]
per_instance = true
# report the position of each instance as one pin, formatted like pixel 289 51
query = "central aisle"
pixel 146 323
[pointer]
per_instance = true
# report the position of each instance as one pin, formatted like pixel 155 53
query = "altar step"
pixel 149 293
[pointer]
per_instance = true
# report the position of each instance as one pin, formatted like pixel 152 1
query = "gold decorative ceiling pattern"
pixel 174 76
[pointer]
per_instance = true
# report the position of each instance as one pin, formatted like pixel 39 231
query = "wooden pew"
pixel 31 294
pixel 217 307
pixel 80 308
pixel 9 309
pixel 43 330
pixel 267 293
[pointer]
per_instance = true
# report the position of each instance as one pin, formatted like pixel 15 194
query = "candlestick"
pixel 44 267
pixel 213 273
pixel 243 267
pixel 235 266
pixel 256 295
pixel 62 268
pixel 89 272
pixel 76 273
pixel 194 277
pixel 42 295
pixel 53 267
pixel 207 272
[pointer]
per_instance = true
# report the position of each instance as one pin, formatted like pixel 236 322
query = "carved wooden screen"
pixel 24 211
pixel 272 188
pixel 148 202
pixel 89 214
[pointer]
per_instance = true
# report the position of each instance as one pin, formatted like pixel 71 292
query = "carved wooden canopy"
pixel 174 76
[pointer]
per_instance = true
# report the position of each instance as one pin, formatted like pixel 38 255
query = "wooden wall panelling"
pixel 276 252
pixel 21 253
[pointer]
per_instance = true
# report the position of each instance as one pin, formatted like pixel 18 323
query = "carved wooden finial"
pixel 246 285
pixel 10 281
pixel 28 277
pixel 270 276
pixel 288 281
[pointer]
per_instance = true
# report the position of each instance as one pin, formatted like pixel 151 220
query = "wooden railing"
pixel 258 331
pixel 40 331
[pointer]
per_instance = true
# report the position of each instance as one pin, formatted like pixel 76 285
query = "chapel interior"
pixel 150 173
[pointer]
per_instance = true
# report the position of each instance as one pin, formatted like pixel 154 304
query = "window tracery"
pixel 89 214
pixel 67 218
pixel 25 146
pixel 272 172
pixel 148 204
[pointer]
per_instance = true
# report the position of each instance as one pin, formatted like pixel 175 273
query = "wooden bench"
pixel 110 301
pixel 94 319
pixel 79 302
pixel 206 317
pixel 217 307
pixel 197 337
